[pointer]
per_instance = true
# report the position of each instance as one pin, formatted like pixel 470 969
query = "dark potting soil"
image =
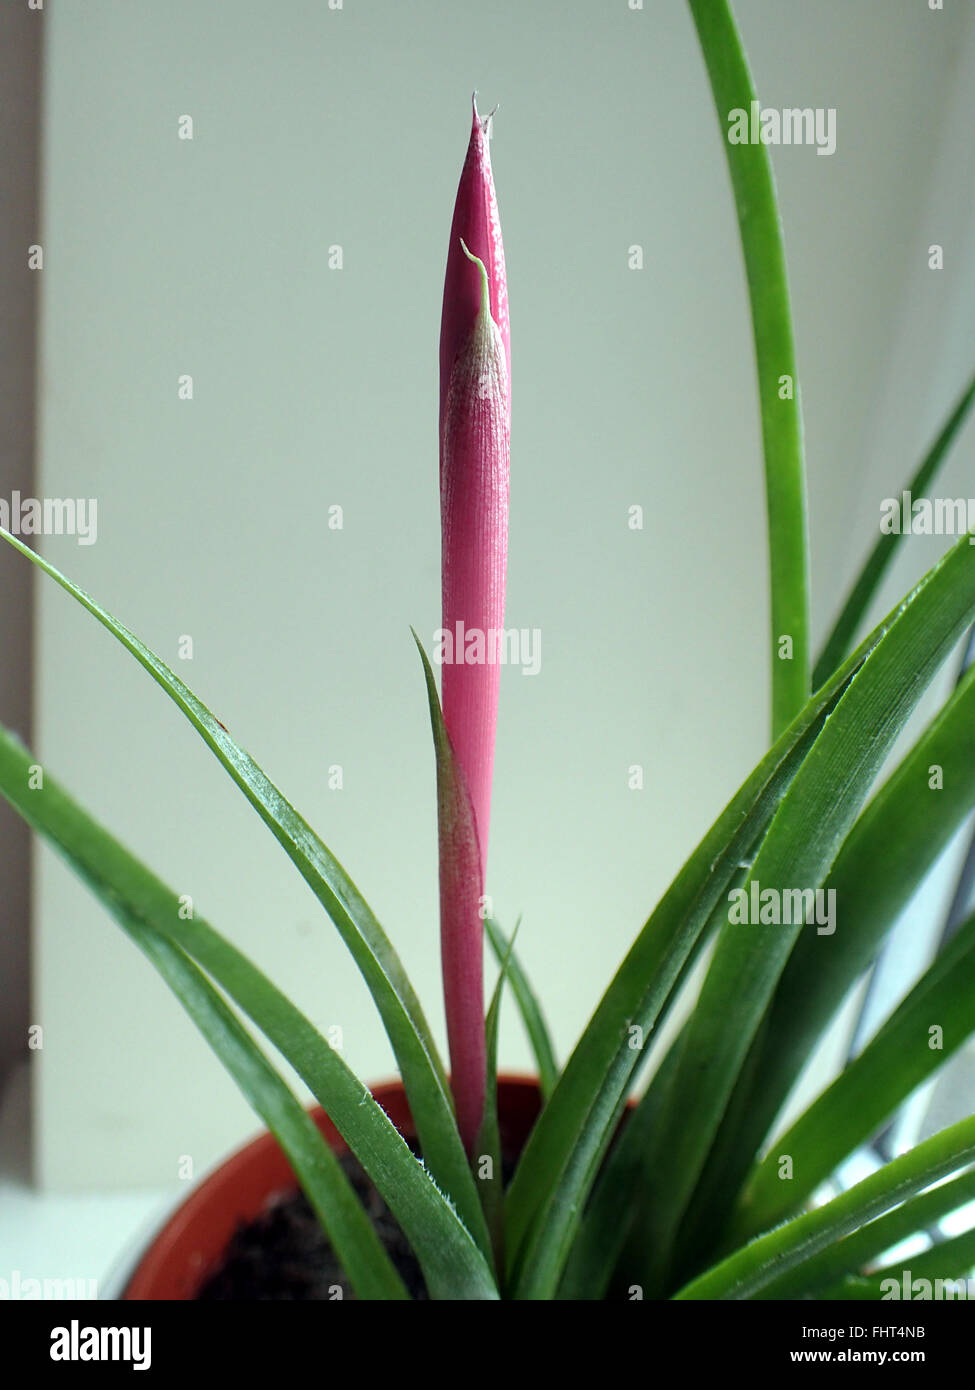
pixel 285 1255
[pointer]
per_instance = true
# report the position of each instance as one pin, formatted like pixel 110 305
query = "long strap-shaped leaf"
pixel 802 842
pixel 892 845
pixel 854 610
pixel 395 998
pixel 848 1256
pixel 937 1273
pixel 491 1175
pixel 351 1233
pixel 461 920
pixel 892 1065
pixel 748 1271
pixel 566 1146
pixel 458 837
pixel 607 1227
pixel 453 1265
pixel 563 1153
pixel 778 386
pixel 610 1215
pixel 528 1006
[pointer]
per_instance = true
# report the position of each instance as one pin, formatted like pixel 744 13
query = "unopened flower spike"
pixel 475 424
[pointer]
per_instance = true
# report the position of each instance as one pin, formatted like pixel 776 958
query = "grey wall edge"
pixel 20 81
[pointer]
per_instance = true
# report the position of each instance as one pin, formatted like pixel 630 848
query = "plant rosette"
pixel 189 1248
pixel 786 901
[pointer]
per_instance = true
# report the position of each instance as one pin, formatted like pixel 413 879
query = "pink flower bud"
pixel 475 425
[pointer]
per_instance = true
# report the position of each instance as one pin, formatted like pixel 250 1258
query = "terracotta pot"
pixel 190 1246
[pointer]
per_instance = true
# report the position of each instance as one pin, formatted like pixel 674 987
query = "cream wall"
pixel 314 387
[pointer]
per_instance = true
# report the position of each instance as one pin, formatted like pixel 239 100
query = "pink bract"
pixel 475 425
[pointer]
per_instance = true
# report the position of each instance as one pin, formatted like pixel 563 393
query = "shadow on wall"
pixel 20 79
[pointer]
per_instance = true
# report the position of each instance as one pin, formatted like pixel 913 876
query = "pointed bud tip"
pixel 482 123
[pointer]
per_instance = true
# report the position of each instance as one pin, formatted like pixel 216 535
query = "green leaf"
pixel 452 1263
pixel 892 1065
pixel 461 921
pixel 768 292
pixel 855 1287
pixel 749 1270
pixel 457 813
pixel 399 1008
pixel 529 1008
pixel 799 848
pixel 840 639
pixel 610 1215
pixel 608 1223
pixel 489 1137
pixel 352 1235
pixel 882 862
pixel 566 1146
pixel 949 1260
pixel 815 1276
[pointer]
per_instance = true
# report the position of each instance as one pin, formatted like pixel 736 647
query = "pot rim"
pixel 249 1175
